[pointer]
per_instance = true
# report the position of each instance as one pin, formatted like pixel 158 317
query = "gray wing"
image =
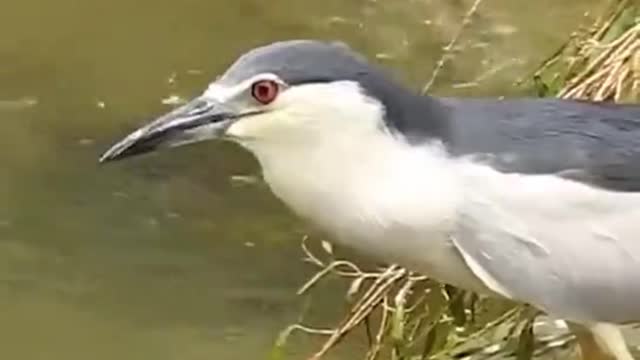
pixel 567 248
pixel 596 143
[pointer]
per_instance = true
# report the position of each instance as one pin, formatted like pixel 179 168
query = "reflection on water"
pixel 165 257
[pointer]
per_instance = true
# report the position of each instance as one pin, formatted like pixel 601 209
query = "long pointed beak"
pixel 198 120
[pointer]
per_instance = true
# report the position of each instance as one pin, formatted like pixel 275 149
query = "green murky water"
pixel 166 257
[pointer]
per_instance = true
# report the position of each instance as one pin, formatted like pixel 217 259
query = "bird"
pixel 536 200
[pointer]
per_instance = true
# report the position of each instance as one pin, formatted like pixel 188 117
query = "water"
pixel 166 257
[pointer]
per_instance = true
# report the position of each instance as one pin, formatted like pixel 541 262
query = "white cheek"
pixel 255 127
pixel 313 111
pixel 278 121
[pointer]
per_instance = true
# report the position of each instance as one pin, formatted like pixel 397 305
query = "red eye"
pixel 264 91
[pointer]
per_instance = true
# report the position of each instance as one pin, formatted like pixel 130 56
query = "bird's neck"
pixel 366 188
pixel 421 117
pixel 388 200
pixel 415 116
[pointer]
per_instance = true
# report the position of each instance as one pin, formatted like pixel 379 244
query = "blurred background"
pixel 181 255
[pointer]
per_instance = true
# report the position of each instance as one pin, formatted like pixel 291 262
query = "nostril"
pixel 199 107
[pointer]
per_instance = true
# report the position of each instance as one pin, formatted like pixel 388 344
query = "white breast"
pixel 384 199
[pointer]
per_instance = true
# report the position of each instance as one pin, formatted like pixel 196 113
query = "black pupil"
pixel 264 91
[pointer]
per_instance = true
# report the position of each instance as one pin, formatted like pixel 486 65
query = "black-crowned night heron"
pixel 535 200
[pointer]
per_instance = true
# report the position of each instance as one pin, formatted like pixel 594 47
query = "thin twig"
pixel 449 48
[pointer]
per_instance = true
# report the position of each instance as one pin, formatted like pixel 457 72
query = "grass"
pixel 407 316
pixel 601 63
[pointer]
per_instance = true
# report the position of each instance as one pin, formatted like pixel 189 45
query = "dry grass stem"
pixel 446 51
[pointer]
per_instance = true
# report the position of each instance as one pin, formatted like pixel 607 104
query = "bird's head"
pixel 291 92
